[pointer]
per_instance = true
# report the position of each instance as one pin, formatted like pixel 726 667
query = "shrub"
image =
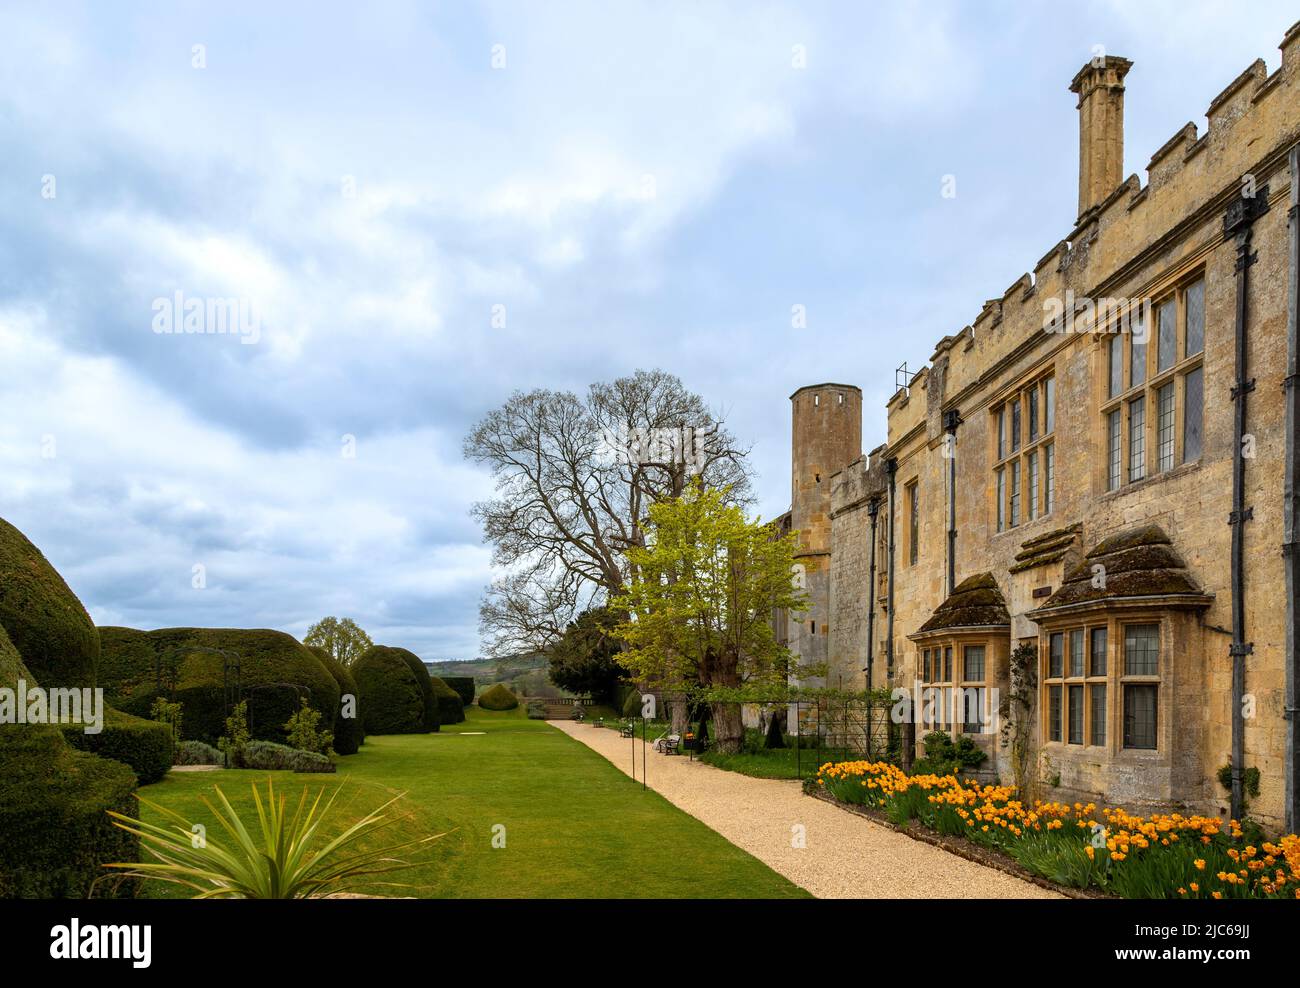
pixel 171 714
pixel 943 757
pixel 43 617
pixel 536 710
pixel 147 746
pixel 464 687
pixel 389 692
pixel 498 697
pixel 303 731
pixel 198 753
pixel 267 756
pixel 451 710
pixel 275 671
pixel 55 833
pixel 349 734
pixel 236 738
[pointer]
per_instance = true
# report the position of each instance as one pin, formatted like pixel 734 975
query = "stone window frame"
pixel 1115 679
pixel 953 675
pixel 1013 504
pixel 1147 393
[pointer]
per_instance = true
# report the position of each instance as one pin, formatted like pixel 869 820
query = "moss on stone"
pixel 976 602
pixel 1141 562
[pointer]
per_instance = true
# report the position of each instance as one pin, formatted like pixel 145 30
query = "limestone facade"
pixel 1089 475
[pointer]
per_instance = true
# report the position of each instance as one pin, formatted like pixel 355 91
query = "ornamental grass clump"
pixel 283 856
pixel 1165 855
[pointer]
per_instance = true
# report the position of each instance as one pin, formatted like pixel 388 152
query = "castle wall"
pixel 1139 242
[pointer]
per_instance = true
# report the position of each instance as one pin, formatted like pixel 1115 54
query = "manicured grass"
pixel 774 763
pixel 575 826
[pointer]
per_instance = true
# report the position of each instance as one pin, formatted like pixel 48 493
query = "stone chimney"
pixel 1100 87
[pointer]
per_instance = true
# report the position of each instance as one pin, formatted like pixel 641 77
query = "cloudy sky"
pixel 628 184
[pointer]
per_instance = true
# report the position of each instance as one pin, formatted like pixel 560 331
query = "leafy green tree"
pixel 700 607
pixel 341 637
pixel 585 659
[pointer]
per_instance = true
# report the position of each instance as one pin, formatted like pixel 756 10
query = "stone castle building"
pixel 1088 494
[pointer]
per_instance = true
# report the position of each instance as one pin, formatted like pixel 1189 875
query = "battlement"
pixel 1250 125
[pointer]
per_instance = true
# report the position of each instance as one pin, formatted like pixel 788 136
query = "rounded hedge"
pixel 392 701
pixel 498 697
pixel 451 709
pixel 463 685
pixel 55 833
pixel 421 672
pixel 349 734
pixel 274 671
pixel 147 746
pixel 43 617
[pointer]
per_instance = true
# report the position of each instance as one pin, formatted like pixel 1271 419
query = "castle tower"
pixel 826 436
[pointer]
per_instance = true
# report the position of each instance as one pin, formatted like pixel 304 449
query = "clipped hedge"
pixel 392 701
pixel 43 617
pixel 498 697
pixel 275 670
pixel 349 733
pixel 55 833
pixel 451 709
pixel 145 745
pixel 429 698
pixel 267 756
pixel 463 685
pixel 536 710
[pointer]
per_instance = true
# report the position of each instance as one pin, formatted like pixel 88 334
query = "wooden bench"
pixel 671 745
pixel 627 731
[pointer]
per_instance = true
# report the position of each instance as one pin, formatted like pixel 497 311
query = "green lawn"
pixel 775 763
pixel 575 825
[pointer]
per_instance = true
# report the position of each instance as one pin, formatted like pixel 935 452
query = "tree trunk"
pixel 677 715
pixel 728 728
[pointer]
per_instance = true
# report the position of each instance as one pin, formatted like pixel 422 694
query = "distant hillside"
pixel 525 673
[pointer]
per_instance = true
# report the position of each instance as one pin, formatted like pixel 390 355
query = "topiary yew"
pixel 349 733
pixel 55 833
pixel 498 697
pixel 390 694
pixel 451 709
pixel 463 685
pixel 43 617
pixel 275 671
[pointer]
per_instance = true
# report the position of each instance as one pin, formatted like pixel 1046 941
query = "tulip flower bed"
pixel 1156 857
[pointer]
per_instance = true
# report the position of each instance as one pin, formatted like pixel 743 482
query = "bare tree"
pixel 575 479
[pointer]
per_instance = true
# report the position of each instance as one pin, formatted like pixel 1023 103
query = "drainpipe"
pixel 1238 224
pixel 891 469
pixel 951 419
pixel 873 510
pixel 1291 509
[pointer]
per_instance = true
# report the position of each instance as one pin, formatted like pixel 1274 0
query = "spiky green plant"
pixel 282 865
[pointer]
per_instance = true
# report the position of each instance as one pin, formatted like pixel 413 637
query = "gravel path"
pixel 844 856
